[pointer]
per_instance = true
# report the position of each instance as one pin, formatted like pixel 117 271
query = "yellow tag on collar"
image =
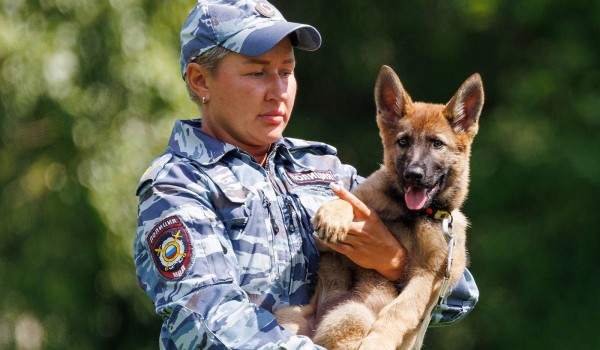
pixel 441 215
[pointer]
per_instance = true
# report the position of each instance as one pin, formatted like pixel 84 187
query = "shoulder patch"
pixel 170 247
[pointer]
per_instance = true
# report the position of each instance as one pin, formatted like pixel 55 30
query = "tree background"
pixel 89 91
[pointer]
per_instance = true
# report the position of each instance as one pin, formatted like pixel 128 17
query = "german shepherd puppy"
pixel 425 174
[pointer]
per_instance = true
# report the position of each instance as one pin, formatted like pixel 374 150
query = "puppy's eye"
pixel 437 144
pixel 403 142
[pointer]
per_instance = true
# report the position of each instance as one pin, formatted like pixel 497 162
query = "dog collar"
pixel 436 214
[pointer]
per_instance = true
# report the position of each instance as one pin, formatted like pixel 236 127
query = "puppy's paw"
pixel 332 220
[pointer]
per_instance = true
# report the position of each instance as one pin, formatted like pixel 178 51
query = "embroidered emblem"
pixel 170 247
pixel 311 177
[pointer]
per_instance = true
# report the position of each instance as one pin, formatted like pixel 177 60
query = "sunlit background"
pixel 89 91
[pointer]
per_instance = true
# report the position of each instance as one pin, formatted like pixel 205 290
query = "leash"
pixel 446 218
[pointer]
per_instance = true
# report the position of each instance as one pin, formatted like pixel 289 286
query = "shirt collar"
pixel 189 141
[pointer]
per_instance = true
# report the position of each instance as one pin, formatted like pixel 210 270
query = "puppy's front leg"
pixel 398 323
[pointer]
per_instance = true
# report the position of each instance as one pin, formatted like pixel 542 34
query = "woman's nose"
pixel 278 88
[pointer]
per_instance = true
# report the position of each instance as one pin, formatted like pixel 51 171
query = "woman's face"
pixel 251 98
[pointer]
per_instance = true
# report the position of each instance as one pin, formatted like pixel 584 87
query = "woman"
pixel 224 233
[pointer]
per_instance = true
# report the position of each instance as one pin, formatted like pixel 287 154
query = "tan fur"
pixel 356 308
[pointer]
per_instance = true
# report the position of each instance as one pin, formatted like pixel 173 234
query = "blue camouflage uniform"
pixel 222 241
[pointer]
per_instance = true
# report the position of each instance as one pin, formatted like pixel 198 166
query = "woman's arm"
pixel 182 262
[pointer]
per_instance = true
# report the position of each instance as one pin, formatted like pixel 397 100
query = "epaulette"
pixel 314 147
pixel 150 174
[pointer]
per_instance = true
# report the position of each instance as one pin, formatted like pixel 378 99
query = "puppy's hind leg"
pixel 344 327
pixel 297 319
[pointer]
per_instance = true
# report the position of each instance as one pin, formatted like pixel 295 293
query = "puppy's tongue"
pixel 415 198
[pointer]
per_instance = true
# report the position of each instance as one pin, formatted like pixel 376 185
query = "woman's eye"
pixel 258 74
pixel 437 144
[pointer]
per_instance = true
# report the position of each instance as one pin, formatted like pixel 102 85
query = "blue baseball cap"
pixel 243 26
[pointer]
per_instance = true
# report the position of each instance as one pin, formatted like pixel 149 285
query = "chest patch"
pixel 170 247
pixel 311 177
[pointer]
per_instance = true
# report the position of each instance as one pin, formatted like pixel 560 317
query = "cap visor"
pixel 258 40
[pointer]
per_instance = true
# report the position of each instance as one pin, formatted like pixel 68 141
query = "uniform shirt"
pixel 223 241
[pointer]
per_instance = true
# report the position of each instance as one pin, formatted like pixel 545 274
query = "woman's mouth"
pixel 273 117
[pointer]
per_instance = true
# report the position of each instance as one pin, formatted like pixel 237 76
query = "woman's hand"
pixel 369 243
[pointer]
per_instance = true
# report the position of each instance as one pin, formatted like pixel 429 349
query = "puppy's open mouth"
pixel 416 198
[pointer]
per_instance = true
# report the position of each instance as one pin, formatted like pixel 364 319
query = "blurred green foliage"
pixel 89 91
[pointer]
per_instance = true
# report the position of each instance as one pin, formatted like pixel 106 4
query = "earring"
pixel 204 100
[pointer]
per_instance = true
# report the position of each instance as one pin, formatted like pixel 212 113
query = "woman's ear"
pixel 196 77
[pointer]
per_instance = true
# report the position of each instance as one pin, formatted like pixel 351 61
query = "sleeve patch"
pixel 170 247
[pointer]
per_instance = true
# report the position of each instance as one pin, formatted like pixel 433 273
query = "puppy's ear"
pixel 391 100
pixel 464 108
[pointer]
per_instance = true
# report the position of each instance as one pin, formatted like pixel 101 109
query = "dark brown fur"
pixel 425 146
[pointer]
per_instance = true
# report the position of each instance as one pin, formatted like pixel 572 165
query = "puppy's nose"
pixel 414 173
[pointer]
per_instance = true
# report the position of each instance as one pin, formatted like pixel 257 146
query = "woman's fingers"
pixel 360 208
